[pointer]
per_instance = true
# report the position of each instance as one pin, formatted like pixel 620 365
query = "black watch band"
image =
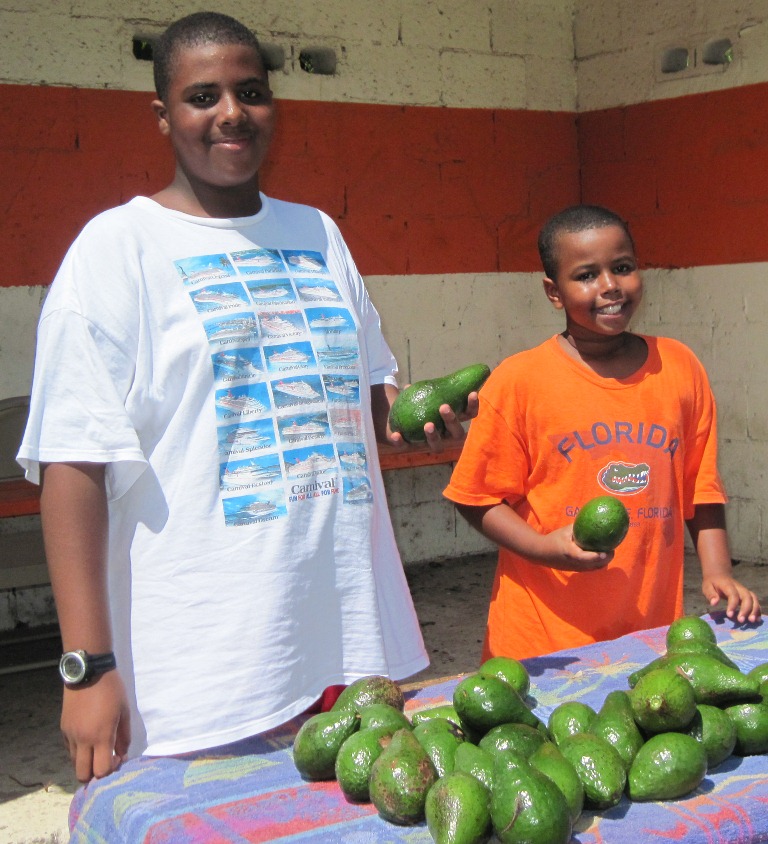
pixel 78 667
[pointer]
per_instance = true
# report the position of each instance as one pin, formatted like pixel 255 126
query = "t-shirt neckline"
pixel 588 374
pixel 146 203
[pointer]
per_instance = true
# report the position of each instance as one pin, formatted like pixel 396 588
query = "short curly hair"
pixel 193 31
pixel 575 218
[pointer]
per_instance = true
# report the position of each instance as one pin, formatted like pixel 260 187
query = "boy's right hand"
pixel 560 551
pixel 95 721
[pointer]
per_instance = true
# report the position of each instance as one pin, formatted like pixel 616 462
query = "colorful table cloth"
pixel 250 791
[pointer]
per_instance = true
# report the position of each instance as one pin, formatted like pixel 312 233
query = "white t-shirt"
pixel 222 371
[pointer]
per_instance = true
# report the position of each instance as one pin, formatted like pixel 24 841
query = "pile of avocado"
pixel 485 764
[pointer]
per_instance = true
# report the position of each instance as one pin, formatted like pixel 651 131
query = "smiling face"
pixel 219 116
pixel 598 284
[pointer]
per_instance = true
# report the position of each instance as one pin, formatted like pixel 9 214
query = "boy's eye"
pixel 624 269
pixel 587 275
pixel 254 95
pixel 201 99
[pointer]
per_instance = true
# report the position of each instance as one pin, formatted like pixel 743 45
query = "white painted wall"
pixel 617 44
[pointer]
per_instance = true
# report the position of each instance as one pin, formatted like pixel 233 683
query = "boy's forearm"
pixel 74 520
pixel 382 396
pixel 710 539
pixel 503 526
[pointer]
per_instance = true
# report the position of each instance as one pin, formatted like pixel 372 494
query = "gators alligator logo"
pixel 624 478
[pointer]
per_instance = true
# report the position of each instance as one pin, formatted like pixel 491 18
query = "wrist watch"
pixel 77 667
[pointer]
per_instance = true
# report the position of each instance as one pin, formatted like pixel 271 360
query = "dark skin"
pixel 219 116
pixel 599 288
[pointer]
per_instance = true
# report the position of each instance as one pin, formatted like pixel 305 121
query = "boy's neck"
pixel 223 203
pixel 610 357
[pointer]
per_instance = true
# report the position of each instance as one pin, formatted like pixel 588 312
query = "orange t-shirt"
pixel 549 436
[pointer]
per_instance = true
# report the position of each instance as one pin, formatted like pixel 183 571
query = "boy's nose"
pixel 230 109
pixel 609 281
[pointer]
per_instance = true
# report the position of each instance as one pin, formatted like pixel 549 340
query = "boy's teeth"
pixel 610 309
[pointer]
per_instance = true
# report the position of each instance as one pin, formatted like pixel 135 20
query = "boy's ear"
pixel 161 113
pixel 552 292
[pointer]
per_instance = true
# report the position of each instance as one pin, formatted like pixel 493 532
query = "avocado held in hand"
pixel 420 402
pixel 601 524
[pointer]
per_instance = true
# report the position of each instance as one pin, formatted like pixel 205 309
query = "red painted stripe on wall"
pixel 414 190
pixel 690 174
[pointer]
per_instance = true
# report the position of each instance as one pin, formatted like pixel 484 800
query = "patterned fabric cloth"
pixel 251 791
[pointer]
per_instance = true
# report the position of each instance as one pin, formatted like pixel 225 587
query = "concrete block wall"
pixel 727 332
pixel 457 53
pixel 617 45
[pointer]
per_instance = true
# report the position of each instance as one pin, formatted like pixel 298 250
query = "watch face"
pixel 72 667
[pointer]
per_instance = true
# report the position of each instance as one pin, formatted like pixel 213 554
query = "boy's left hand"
pixel 742 603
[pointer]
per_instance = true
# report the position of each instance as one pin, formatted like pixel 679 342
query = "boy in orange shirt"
pixel 595 410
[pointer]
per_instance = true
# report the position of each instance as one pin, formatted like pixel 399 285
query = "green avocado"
pixel 440 738
pixel 568 718
pixel 681 648
pixel 474 760
pixel 759 673
pixel 400 779
pixel 458 810
pixel 689 627
pixel 484 701
pixel 751 722
pixel 715 729
pixel 527 807
pixel 551 762
pixel 521 739
pixel 318 741
pixel 375 688
pixel 598 766
pixel 355 760
pixel 601 524
pixel 663 700
pixel 442 711
pixel 510 670
pixel 615 722
pixel 376 715
pixel 420 402
pixel 667 766
pixel 713 682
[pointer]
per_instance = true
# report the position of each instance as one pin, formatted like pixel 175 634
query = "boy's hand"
pixel 454 430
pixel 95 721
pixel 560 551
pixel 742 604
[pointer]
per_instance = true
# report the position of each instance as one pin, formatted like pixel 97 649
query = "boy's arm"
pixel 95 716
pixel 503 525
pixel 382 397
pixel 708 532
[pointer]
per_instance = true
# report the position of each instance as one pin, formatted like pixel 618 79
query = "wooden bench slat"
pixel 18 497
pixel 389 458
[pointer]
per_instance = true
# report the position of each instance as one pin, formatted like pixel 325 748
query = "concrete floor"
pixel 36 782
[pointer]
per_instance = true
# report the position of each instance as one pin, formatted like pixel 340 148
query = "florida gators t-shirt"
pixel 550 435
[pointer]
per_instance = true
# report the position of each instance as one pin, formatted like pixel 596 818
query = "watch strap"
pixel 100 663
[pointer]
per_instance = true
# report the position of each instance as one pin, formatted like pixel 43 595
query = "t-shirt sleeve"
pixel 703 484
pixel 382 366
pixel 77 411
pixel 494 462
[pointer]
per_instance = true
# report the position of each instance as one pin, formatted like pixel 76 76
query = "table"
pixel 250 791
